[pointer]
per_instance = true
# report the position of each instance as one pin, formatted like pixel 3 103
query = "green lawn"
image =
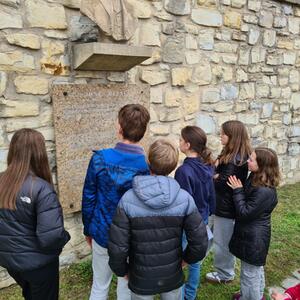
pixel 284 257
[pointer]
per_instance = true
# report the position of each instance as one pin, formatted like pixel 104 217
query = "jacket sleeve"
pixel 196 235
pixel 50 231
pixel 293 292
pixel 226 171
pixel 183 181
pixel 249 207
pixel 89 195
pixel 118 244
pixel 212 198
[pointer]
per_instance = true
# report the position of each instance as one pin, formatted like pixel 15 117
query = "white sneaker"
pixel 214 277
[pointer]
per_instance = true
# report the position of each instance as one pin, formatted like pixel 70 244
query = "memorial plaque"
pixel 85 120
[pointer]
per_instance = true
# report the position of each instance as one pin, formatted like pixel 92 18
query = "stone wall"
pixel 213 61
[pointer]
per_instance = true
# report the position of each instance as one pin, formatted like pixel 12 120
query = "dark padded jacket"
pixel 33 235
pixel 252 231
pixel 147 229
pixel 224 203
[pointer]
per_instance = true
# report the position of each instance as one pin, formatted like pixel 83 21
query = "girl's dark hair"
pixel 197 139
pixel 238 142
pixel 268 173
pixel 27 153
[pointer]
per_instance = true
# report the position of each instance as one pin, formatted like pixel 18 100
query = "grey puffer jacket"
pixel 33 235
pixel 148 228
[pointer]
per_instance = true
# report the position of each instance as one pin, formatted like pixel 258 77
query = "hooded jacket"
pixel 33 235
pixel 196 178
pixel 147 229
pixel 224 204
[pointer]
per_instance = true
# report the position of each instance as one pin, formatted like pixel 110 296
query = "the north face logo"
pixel 26 200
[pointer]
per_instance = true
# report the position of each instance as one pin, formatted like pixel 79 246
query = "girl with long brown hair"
pixel 32 232
pixel 231 161
pixel 254 204
pixel 195 176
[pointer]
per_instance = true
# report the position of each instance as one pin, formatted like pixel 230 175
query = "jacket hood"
pixel 204 172
pixel 156 191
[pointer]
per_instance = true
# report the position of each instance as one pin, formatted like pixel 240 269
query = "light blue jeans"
pixel 189 289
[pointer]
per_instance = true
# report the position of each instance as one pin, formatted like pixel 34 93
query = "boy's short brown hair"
pixel 133 119
pixel 162 157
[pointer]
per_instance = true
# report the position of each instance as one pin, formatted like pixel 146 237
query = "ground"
pixel 283 259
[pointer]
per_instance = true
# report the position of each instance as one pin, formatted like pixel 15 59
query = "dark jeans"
pixel 39 284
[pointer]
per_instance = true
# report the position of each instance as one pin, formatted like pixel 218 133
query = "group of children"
pixel 142 224
pixel 145 226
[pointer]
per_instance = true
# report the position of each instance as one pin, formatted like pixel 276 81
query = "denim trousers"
pixel 189 289
pixel 172 295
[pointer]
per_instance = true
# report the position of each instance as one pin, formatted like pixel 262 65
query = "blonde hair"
pixel 162 157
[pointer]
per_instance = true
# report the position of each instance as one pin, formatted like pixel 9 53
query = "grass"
pixel 283 258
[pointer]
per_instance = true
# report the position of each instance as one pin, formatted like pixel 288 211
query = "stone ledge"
pixel 108 57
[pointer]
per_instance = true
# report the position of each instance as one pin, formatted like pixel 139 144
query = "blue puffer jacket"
pixel 109 176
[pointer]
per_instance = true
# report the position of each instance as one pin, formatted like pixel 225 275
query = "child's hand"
pixel 278 296
pixel 216 176
pixel 217 162
pixel 126 277
pixel 184 264
pixel 89 240
pixel 234 182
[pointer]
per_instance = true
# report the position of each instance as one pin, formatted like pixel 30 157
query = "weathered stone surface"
pixel 223 73
pixel 12 3
pixel 160 129
pixel 225 47
pixel 153 77
pixel 149 34
pixel 230 58
pixel 266 19
pixel 274 60
pixel 207 123
pixel 177 7
pixel 56 34
pixel 269 38
pixel 10 21
pixel 250 19
pixel 173 50
pixel 173 98
pixel 258 54
pixel 181 76
pixel 17 61
pixel 262 90
pixel 244 55
pixel 192 57
pixel 280 22
pixel 229 92
pixel 171 114
pixel 249 118
pixel 241 76
pixel 202 73
pixel 253 36
pixel 191 104
pixel 168 28
pixel 82 29
pixel 207 17
pixel 247 91
pixel 289 58
pixel 68 3
pixel 233 19
pixel 267 110
pixel 294 25
pixel 20 108
pixel 191 42
pixel 254 5
pixel 3 82
pixel 141 9
pixel 25 40
pixel 42 14
pixel 31 85
pixel 211 95
pixel 156 94
pixel 238 3
pixel 206 39
pixel 295 101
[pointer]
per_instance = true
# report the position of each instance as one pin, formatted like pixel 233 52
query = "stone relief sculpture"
pixel 114 17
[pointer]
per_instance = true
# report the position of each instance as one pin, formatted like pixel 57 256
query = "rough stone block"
pixel 206 122
pixel 18 108
pixel 3 82
pixel 31 85
pixel 25 40
pixel 42 14
pixel 177 7
pixel 173 50
pixel 206 39
pixel 269 38
pixel 202 74
pixel 154 77
pixel 232 19
pixel 207 17
pixel 10 20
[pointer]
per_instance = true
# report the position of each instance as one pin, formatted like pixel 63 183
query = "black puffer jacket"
pixel 224 203
pixel 147 229
pixel 252 231
pixel 33 235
